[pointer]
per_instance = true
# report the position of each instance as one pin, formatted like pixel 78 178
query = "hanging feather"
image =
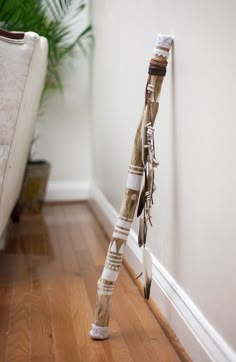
pixel 146 196
pixel 141 202
pixel 142 232
pixel 147 272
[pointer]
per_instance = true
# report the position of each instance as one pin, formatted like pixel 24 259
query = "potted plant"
pixel 57 20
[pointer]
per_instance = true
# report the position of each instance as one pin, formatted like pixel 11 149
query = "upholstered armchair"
pixel 23 62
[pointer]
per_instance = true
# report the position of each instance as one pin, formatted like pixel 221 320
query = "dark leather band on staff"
pixel 156 70
pixel 11 35
pixel 160 63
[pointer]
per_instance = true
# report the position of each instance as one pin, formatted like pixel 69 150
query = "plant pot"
pixel 34 187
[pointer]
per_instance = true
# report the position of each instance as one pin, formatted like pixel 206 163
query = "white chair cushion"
pixel 22 71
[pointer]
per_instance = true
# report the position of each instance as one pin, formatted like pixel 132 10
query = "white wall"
pixel 63 125
pixel 194 233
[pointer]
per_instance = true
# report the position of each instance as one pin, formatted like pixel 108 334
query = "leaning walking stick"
pixel 142 166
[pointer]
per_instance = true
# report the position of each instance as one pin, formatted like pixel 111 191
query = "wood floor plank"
pixel 42 343
pixel 70 263
pixel 55 264
pixel 74 219
pixel 8 273
pixel 100 233
pixel 18 347
pixel 164 351
pixel 82 316
pixel 42 348
pixel 94 245
pixel 115 347
pixel 6 291
pixel 156 335
pixel 62 323
pixel 19 333
pixel 139 344
pixel 90 277
pixel 147 319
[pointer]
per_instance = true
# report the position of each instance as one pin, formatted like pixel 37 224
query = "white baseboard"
pixel 199 338
pixel 67 191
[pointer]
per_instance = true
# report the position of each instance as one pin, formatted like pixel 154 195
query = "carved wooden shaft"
pixel 123 224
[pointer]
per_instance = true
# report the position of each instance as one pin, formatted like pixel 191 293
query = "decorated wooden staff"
pixel 142 166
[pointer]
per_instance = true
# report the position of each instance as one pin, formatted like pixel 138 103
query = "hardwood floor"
pixel 48 275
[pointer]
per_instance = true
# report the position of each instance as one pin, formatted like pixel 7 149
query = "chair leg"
pixel 15 215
